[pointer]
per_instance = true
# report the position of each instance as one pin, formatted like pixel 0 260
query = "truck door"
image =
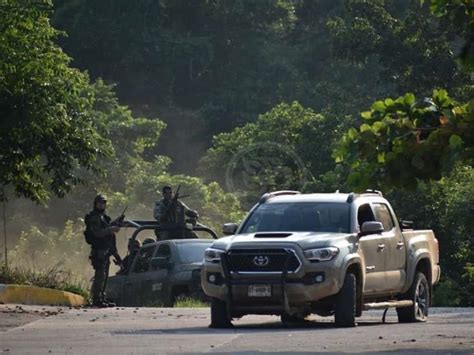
pixel 135 293
pixel 395 251
pixel 157 285
pixel 373 254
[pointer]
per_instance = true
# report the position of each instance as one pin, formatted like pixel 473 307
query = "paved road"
pixel 184 330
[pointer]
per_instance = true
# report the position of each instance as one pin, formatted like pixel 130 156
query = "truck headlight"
pixel 212 255
pixel 321 254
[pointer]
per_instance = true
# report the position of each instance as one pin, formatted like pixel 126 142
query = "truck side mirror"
pixel 371 228
pixel 229 228
pixel 160 262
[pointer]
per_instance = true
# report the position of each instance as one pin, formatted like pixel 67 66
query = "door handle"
pixel 381 247
pixel 400 245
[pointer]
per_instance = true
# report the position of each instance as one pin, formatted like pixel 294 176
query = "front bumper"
pixel 287 290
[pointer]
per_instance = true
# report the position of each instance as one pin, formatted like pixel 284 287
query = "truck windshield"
pixel 299 217
pixel 192 252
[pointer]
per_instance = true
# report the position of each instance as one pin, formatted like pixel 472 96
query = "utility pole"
pixel 5 225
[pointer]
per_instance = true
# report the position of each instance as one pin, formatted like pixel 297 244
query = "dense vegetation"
pixel 316 95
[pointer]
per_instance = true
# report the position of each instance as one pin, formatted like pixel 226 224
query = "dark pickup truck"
pixel 164 270
pixel 160 273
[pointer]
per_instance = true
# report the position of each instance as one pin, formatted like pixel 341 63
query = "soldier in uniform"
pixel 100 234
pixel 134 246
pixel 167 213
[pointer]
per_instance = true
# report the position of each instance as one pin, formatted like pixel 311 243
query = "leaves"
pixel 405 141
pixel 47 129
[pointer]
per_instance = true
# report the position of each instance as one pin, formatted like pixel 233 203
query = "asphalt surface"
pixel 45 330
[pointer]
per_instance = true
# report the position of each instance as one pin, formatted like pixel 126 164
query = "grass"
pixel 180 302
pixel 189 302
pixel 49 278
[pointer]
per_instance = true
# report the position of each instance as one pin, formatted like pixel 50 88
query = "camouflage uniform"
pixel 167 212
pixel 103 245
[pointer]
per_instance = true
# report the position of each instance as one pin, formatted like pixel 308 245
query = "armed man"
pixel 100 234
pixel 168 211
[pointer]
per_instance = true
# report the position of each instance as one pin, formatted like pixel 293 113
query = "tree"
pixel 47 129
pixel 287 147
pixel 204 55
pixel 403 141
pixel 415 51
pixel 460 14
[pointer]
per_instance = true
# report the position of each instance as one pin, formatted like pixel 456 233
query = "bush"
pixel 50 278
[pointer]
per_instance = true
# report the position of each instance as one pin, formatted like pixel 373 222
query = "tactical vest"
pixel 99 243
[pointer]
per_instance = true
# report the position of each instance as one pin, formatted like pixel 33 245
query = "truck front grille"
pixel 262 260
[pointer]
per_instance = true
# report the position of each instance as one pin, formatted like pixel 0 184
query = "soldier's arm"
pixel 188 211
pixel 113 249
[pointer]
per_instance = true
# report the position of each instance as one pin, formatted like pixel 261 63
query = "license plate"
pixel 260 291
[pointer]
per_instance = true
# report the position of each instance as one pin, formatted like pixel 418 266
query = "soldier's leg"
pixel 106 277
pixel 97 260
pixel 97 283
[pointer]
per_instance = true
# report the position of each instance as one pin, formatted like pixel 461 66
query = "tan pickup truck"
pixel 328 254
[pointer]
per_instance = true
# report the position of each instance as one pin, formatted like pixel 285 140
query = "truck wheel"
pixel 344 315
pixel 419 293
pixel 219 316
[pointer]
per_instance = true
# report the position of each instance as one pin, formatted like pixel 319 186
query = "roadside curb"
pixel 23 294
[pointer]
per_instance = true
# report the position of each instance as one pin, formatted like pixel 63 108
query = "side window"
pixel 164 250
pixel 383 215
pixel 365 214
pixel 143 259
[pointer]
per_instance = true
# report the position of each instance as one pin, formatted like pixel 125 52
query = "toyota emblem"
pixel 261 260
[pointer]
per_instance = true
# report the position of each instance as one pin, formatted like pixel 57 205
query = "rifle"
pixel 119 220
pixel 176 194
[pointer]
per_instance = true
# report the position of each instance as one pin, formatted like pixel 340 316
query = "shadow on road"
pixel 247 328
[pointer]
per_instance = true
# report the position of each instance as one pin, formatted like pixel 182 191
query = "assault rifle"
pixel 119 220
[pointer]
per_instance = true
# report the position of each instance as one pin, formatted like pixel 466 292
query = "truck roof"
pixel 295 196
pixel 319 197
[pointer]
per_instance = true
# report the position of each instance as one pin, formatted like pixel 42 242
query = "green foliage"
pixel 403 141
pixel 446 293
pixel 285 148
pixel 204 55
pixel 61 249
pixel 460 14
pixel 54 278
pixel 446 207
pixel 47 128
pixel 189 302
pixel 414 51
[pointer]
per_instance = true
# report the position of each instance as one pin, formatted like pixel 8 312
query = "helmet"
pixel 134 244
pixel 148 240
pixel 100 198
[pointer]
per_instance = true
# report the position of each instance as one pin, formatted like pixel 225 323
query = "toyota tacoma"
pixel 328 254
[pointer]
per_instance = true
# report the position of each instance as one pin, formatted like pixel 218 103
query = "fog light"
pixel 319 278
pixel 212 278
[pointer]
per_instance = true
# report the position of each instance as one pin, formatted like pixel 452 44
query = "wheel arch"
pixel 423 265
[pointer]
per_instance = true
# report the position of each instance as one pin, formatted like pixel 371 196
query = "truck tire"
pixel 419 293
pixel 344 315
pixel 219 316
